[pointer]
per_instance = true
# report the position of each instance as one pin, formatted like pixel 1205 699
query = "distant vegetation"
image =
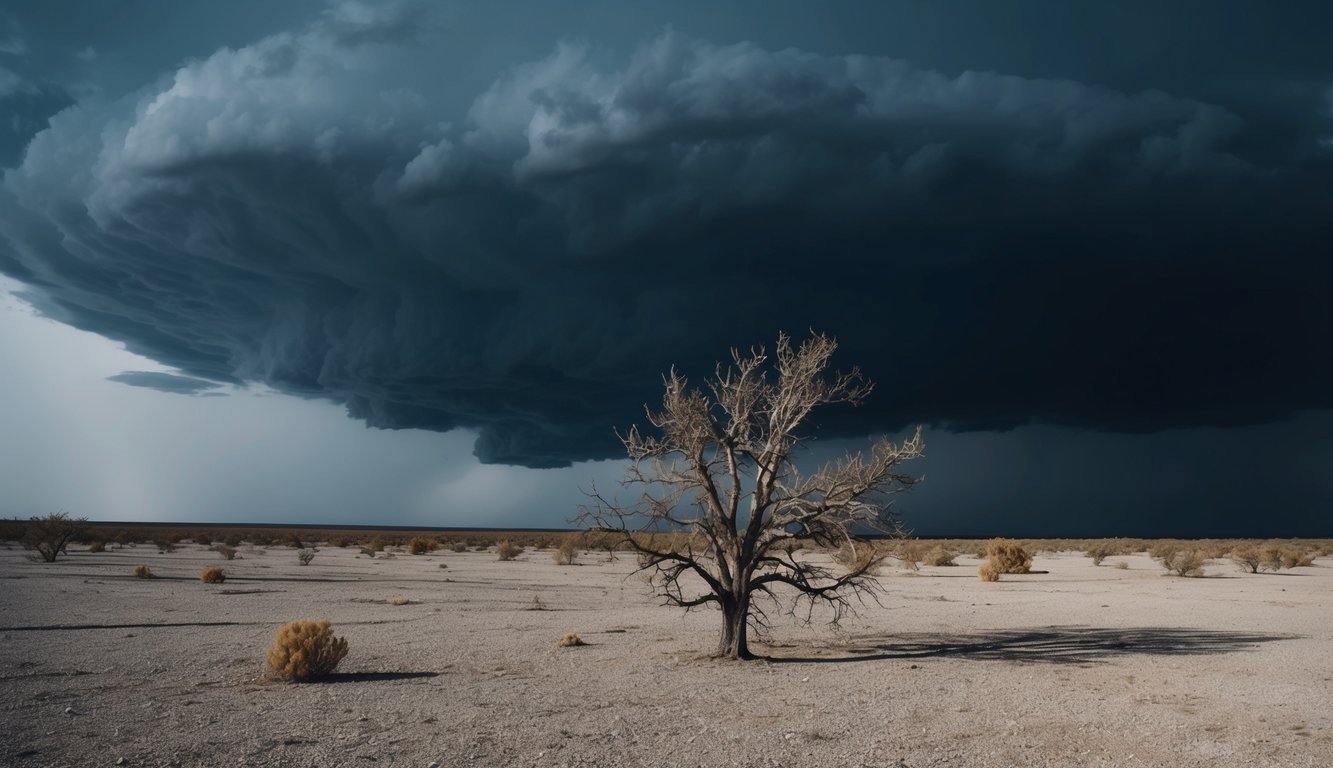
pixel 1249 555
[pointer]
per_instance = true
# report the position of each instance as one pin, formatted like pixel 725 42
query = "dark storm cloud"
pixel 25 101
pixel 166 382
pixel 992 249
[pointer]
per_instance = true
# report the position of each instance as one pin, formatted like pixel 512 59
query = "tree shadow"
pixel 374 677
pixel 1049 645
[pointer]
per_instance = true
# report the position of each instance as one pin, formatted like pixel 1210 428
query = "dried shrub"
pixel 458 546
pixel 606 542
pixel 97 546
pixel 1270 558
pixel 939 556
pixel 859 559
pixel 143 572
pixel 340 542
pixel 1247 558
pixel 420 545
pixel 1008 556
pixel 1165 548
pixel 367 551
pixel 567 553
pixel 988 572
pixel 1184 562
pixel 398 600
pixel 305 650
pixel 226 552
pixel 305 556
pixel 1122 565
pixel 211 574
pixel 1100 551
pixel 569 640
pixel 910 554
pixel 1295 557
pixel 508 550
pixel 536 604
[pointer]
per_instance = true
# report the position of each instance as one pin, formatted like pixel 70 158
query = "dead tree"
pixel 721 500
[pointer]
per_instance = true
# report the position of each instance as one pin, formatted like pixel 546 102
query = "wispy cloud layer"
pixel 166 382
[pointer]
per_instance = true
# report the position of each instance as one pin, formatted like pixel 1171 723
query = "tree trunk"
pixel 735 622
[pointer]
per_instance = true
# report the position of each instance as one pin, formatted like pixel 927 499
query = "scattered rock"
pixel 69 710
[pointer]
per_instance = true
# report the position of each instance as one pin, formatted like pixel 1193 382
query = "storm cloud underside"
pixel 993 250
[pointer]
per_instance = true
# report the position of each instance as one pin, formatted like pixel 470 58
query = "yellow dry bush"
pixel 910 554
pixel 508 550
pixel 1296 557
pixel 863 558
pixel 398 600
pixel 568 552
pixel 211 574
pixel 420 545
pixel 1270 558
pixel 1247 558
pixel 1099 551
pixel 570 640
pixel 939 556
pixel 988 572
pixel 305 650
pixel 1008 556
pixel 143 572
pixel 1185 562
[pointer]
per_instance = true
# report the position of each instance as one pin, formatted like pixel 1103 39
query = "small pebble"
pixel 120 761
pixel 69 710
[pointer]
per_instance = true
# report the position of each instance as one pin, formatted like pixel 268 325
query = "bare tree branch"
pixel 718 469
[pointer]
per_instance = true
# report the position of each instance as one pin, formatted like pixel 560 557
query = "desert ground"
pixel 1080 666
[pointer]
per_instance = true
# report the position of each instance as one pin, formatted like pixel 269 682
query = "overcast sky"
pixel 413 263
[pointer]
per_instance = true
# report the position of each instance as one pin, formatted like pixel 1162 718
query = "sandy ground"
pixel 1081 666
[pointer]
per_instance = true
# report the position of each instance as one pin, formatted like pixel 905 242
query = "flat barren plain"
pixel 1082 665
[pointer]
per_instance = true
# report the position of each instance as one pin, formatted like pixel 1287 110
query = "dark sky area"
pixel 1084 243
